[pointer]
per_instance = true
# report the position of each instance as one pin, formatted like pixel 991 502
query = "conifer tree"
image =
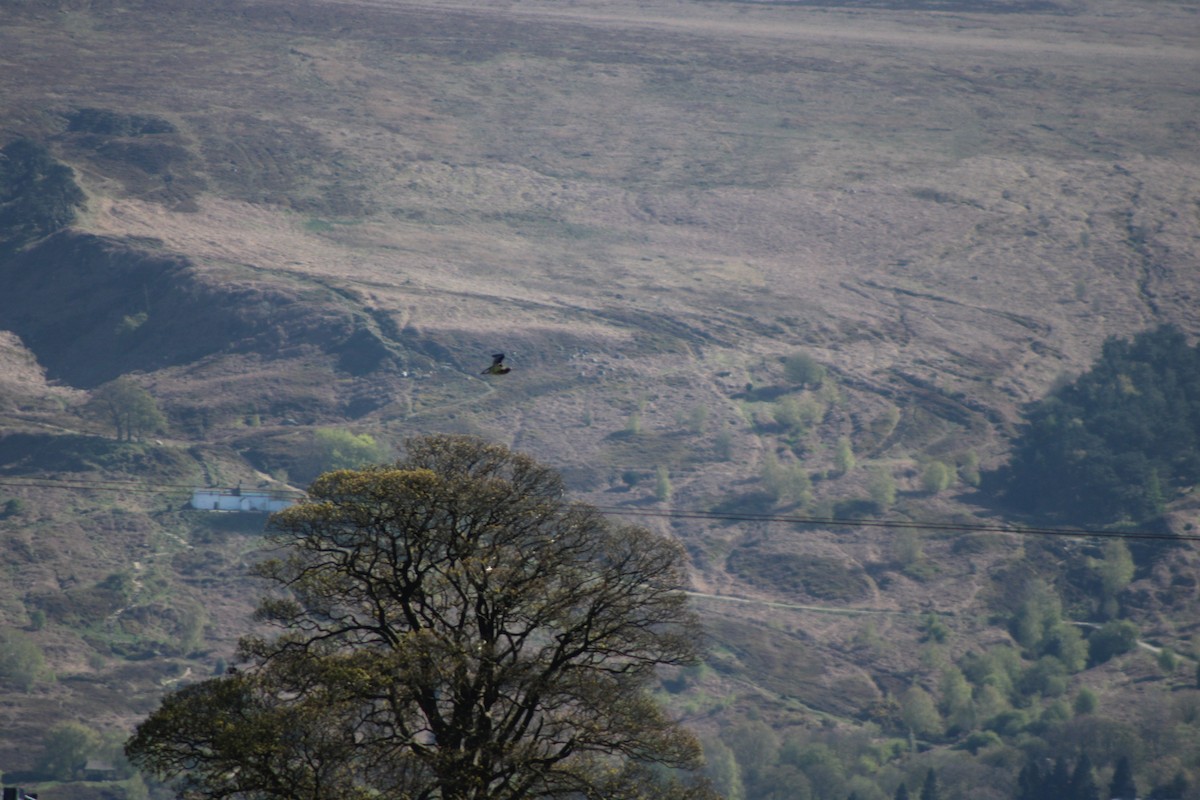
pixel 1122 786
pixel 1030 782
pixel 1083 785
pixel 929 790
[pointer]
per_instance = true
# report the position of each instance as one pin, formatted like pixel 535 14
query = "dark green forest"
pixel 38 195
pixel 1115 443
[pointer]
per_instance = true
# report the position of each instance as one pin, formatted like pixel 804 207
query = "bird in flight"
pixel 497 367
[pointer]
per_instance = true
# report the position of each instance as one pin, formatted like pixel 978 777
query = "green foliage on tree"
pixel 919 712
pixel 882 488
pixel 1063 782
pixel 1085 702
pixel 756 748
pixel 786 482
pixel 1122 786
pixel 1168 662
pixel 721 768
pixel 930 789
pixel 1115 571
pixel 662 484
pixel 843 459
pixel 1038 626
pixel 130 323
pixel 937 477
pixel 909 555
pixel 129 408
pixel 955 699
pixel 1082 785
pixel 337 448
pixel 1046 677
pixel 452 627
pixel 38 195
pixel 803 370
pixel 21 660
pixel 968 468
pixel 1110 640
pixel 1175 788
pixel 1114 442
pixel 798 415
pixel 65 750
pixel 12 507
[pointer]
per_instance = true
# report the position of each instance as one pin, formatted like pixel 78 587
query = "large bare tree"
pixel 452 627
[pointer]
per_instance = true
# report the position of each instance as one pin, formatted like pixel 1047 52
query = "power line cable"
pixel 795 519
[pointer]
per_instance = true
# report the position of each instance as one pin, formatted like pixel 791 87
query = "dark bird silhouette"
pixel 497 367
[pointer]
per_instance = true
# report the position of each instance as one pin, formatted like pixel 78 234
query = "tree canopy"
pixel 1114 441
pixel 451 626
pixel 128 407
pixel 38 195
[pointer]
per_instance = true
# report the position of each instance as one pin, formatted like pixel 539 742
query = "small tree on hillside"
pixel 453 629
pixel 21 660
pixel 1122 786
pixel 1115 571
pixel 662 484
pixel 803 370
pixel 66 749
pixel 128 407
pixel 882 487
pixel 337 448
pixel 843 459
pixel 930 790
pixel 937 477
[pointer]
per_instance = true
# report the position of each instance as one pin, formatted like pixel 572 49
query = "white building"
pixel 241 500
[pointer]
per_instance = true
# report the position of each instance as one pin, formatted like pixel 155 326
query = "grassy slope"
pixel 645 205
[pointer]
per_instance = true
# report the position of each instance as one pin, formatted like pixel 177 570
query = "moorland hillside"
pixel 780 278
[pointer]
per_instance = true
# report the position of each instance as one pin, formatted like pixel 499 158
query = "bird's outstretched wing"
pixel 497 367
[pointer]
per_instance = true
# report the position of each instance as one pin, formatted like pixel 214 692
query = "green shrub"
pixel 21 660
pixel 65 750
pixel 662 484
pixel 1111 640
pixel 937 477
pixel 882 487
pixel 803 370
pixel 131 323
pixel 1085 702
pixel 843 459
pixel 337 448
pixel 38 195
